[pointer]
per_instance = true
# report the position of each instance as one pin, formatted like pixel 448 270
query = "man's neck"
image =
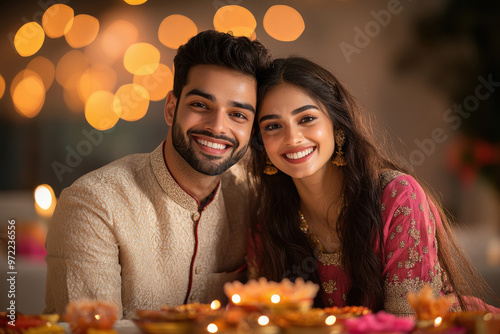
pixel 196 184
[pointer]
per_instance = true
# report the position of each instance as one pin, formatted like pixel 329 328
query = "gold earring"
pixel 270 169
pixel 339 159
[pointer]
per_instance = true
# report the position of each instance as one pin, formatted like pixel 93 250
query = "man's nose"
pixel 217 122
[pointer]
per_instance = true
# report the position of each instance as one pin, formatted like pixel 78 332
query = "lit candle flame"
pixel 212 328
pixel 275 299
pixel 236 298
pixel 438 321
pixel 97 317
pixel 330 320
pixel 215 305
pixel 263 320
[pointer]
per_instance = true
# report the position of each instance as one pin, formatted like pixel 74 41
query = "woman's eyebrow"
pixel 294 112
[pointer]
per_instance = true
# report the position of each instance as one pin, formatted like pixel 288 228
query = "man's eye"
pixel 198 105
pixel 239 115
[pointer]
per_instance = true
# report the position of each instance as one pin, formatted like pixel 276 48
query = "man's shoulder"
pixel 116 172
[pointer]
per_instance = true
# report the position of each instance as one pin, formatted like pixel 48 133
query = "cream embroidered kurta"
pixel 129 233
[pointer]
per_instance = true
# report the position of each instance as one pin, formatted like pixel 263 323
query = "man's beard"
pixel 210 165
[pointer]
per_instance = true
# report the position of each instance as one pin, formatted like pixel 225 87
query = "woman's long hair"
pixel 284 250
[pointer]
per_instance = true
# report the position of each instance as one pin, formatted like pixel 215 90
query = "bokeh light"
pixel 70 68
pixel 131 102
pixel 283 23
pixel 45 200
pixel 135 2
pixel 44 68
pixel 56 18
pixel 99 110
pixel 239 20
pixel 83 30
pixel 175 30
pixel 73 100
pixel 95 78
pixel 2 86
pixel 158 83
pixel 29 39
pixel 263 320
pixel 116 38
pixel 28 95
pixel 141 59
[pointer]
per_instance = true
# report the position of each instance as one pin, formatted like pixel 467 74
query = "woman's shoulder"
pixel 391 179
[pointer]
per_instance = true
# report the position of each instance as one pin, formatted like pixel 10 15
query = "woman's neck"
pixel 321 194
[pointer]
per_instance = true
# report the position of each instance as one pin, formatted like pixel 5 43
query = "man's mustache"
pixel 233 142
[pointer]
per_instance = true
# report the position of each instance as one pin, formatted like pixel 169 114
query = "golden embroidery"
pixel 331 302
pixel 429 229
pixel 413 222
pixel 344 297
pixel 402 244
pixel 393 235
pixel 421 207
pixel 394 193
pixel 400 264
pixel 404 182
pixel 382 207
pixel 330 259
pixel 389 256
pixel 329 286
pixel 395 292
pixel 425 250
pixel 405 210
pixel 388 176
pixel 413 195
pixel 399 228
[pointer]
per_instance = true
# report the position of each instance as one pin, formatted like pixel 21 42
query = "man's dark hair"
pixel 216 48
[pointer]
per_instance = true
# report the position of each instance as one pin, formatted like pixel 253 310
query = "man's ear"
pixel 170 108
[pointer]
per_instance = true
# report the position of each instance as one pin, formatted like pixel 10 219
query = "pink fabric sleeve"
pixel 409 244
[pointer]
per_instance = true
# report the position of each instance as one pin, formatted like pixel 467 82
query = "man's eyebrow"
pixel 294 112
pixel 241 105
pixel 201 93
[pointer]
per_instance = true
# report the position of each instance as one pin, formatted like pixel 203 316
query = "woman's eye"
pixel 271 126
pixel 307 119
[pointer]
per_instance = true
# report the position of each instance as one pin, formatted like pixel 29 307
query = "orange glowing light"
pixel 215 305
pixel 141 59
pixel 28 95
pixel 95 78
pixel 2 86
pixel 44 68
pixel 99 111
pixel 158 83
pixel 330 320
pixel 283 23
pixel 70 68
pixel 56 19
pixel 275 299
pixel 117 37
pixel 135 2
pixel 73 100
pixel 175 30
pixel 131 102
pixel 263 320
pixel 236 298
pixel 212 328
pixel 45 200
pixel 236 19
pixel 81 31
pixel 29 39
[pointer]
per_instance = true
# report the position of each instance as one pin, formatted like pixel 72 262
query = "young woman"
pixel 333 209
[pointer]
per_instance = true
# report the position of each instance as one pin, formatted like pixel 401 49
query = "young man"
pixel 166 228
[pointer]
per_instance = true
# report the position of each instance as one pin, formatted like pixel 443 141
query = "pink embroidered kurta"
pixel 409 248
